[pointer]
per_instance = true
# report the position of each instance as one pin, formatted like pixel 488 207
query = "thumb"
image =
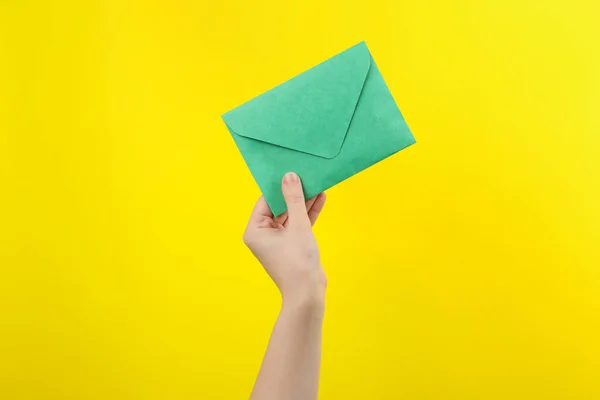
pixel 294 199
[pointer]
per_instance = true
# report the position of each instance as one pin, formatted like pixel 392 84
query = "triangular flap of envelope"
pixel 311 112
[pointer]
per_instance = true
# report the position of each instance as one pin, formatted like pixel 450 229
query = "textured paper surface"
pixel 326 124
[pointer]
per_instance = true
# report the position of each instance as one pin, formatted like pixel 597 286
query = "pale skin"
pixel 288 251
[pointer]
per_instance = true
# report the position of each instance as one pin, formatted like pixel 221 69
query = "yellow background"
pixel 465 267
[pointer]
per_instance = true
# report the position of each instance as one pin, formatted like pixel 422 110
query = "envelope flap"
pixel 310 112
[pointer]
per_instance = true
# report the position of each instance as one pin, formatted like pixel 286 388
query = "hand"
pixel 285 245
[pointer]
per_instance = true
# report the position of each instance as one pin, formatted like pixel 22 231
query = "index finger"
pixel 261 210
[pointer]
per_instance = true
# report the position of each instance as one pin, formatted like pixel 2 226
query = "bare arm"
pixel 290 369
pixel 287 249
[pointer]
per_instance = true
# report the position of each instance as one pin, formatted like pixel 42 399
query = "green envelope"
pixel 326 124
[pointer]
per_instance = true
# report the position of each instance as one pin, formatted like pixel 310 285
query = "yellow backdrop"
pixel 465 267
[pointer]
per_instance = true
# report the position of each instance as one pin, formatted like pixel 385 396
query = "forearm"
pixel 290 368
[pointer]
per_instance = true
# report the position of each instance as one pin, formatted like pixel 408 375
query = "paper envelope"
pixel 326 124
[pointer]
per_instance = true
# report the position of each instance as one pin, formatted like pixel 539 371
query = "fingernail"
pixel 290 177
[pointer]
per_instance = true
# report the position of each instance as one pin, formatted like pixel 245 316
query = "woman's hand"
pixel 285 245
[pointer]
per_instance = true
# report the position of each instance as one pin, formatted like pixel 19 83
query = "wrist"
pixel 306 301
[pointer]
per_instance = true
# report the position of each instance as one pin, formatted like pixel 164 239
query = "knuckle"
pixel 295 198
pixel 293 194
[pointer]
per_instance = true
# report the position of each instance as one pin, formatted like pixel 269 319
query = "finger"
pixel 310 202
pixel 282 219
pixel 317 207
pixel 294 199
pixel 261 212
